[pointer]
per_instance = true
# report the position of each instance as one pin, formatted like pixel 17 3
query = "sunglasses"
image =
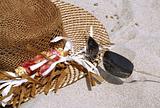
pixel 114 63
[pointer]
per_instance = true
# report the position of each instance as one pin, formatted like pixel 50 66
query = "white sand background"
pixel 136 34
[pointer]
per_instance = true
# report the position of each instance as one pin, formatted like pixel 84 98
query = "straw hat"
pixel 34 23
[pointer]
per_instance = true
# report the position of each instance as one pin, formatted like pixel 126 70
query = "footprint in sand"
pixel 125 29
pixel 125 16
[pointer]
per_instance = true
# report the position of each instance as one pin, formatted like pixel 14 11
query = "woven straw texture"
pixel 35 23
pixel 77 22
pixel 23 23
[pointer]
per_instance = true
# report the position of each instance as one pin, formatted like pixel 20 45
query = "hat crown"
pixel 23 22
pixel 24 19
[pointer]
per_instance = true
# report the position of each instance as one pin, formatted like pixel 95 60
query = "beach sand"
pixel 134 27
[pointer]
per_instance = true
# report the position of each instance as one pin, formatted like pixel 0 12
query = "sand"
pixel 134 27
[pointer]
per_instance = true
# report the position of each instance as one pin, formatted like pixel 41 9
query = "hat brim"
pixel 77 22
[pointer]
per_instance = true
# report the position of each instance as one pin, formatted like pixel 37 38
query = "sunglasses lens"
pixel 117 65
pixel 92 48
